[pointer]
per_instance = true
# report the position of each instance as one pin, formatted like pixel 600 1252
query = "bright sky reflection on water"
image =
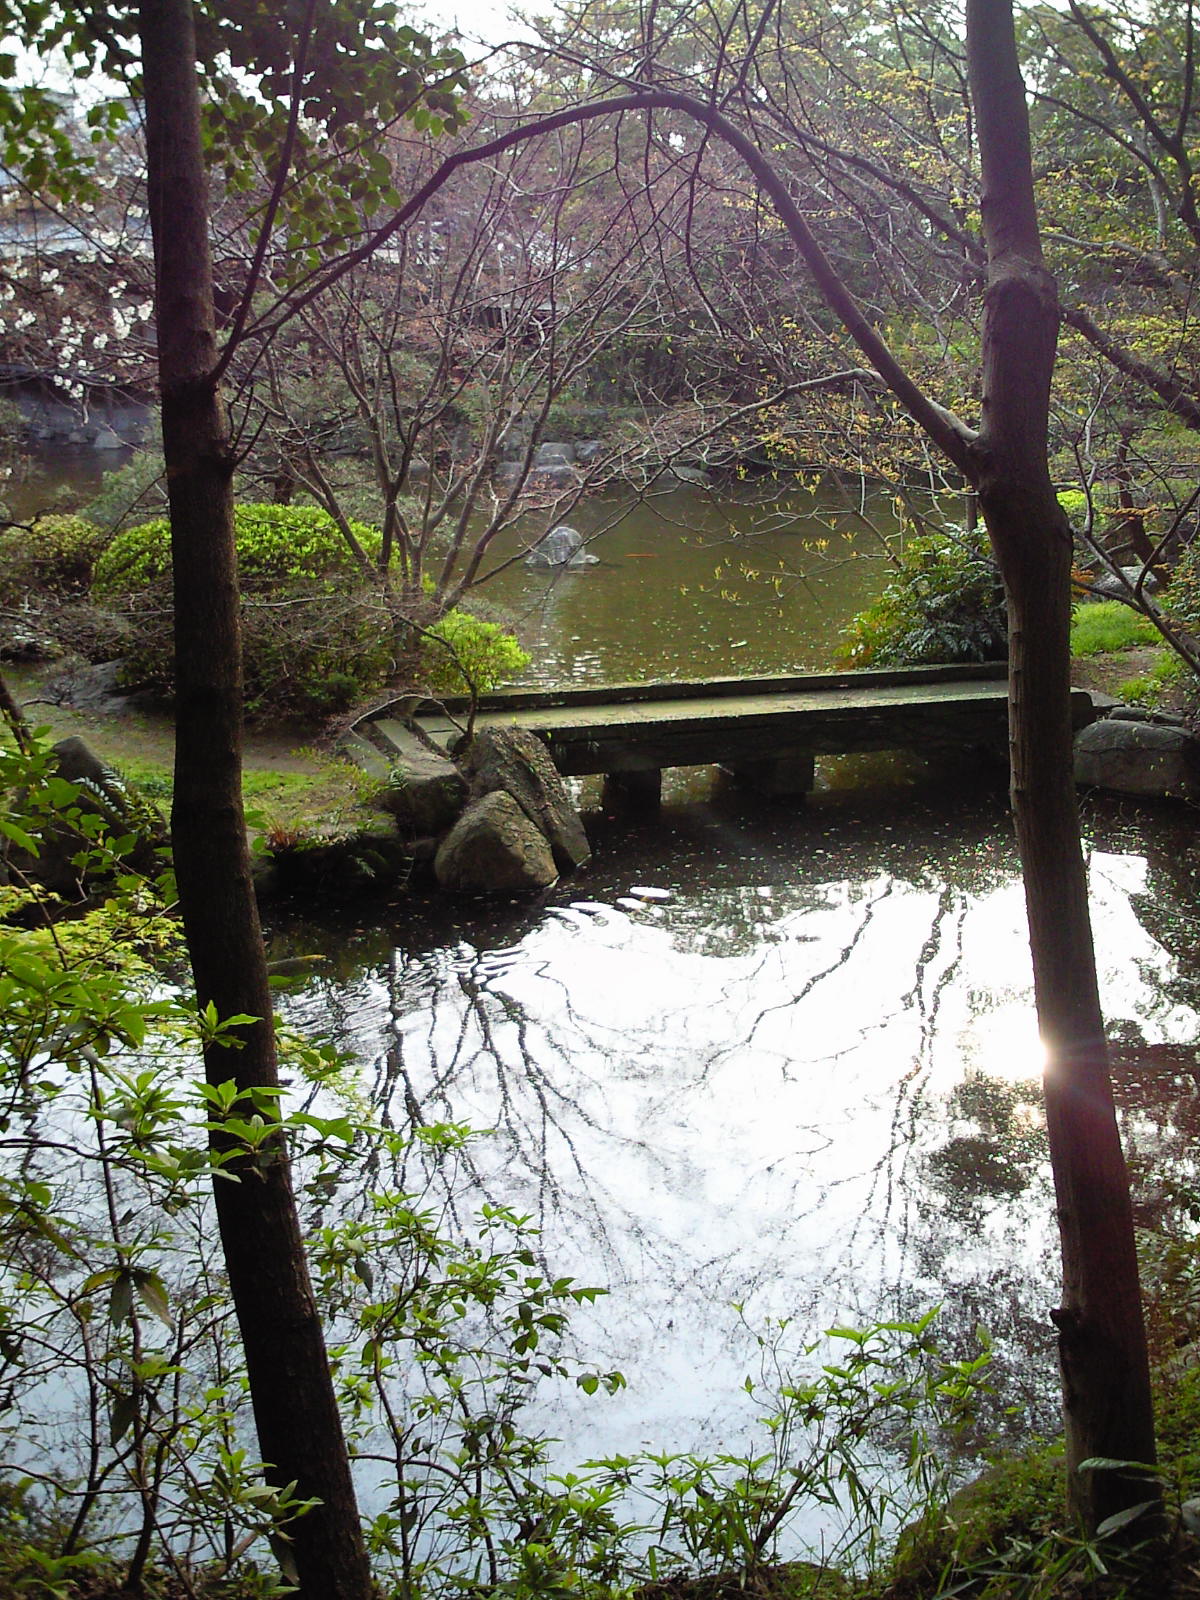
pixel 785 1065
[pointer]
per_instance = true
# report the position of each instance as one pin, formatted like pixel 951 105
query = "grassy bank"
pixel 292 790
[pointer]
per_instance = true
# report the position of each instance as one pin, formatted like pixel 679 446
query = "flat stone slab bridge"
pixel 766 731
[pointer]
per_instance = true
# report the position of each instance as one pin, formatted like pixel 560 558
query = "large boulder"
pixel 1138 757
pixel 554 454
pixel 559 476
pixel 561 547
pixel 425 791
pixel 494 848
pixel 515 762
pixel 1123 582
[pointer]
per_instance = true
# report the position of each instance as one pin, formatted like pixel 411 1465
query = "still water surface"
pixel 777 1057
pixel 780 1058
pixel 691 584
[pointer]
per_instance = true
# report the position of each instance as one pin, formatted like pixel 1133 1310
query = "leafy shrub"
pixel 308 650
pixel 315 638
pixel 945 603
pixel 55 557
pixel 275 544
pixel 312 641
pixel 480 655
pixel 1099 626
pixel 88 632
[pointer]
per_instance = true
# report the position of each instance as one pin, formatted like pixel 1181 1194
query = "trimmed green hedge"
pixel 275 544
pixel 316 637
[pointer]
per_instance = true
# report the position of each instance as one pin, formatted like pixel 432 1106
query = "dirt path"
pixel 140 739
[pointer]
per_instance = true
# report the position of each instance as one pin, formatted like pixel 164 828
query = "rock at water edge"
pixel 493 848
pixel 516 762
pixel 425 792
pixel 1137 758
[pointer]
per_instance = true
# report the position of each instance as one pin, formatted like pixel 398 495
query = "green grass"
pixel 1148 688
pixel 1099 627
pixel 330 799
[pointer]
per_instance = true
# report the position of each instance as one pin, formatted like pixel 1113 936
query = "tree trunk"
pixel 1102 1344
pixel 299 1429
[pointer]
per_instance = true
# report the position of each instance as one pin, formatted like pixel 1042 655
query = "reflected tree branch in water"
pixel 840 959
pixel 951 908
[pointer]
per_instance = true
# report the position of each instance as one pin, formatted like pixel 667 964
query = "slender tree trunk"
pixel 14 716
pixel 299 1429
pixel 1102 1344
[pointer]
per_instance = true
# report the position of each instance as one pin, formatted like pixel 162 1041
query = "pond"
pixel 767 1061
pixel 758 578
pixel 763 1061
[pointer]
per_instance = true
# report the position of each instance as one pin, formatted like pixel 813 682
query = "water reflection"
pixel 786 1061
pixel 755 578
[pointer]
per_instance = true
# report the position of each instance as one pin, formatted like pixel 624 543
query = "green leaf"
pixel 18 836
pixel 1112 1464
pixel 151 1291
pixel 120 1301
pixel 1122 1519
pixel 121 1418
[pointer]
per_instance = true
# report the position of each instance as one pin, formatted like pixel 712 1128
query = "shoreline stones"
pixel 494 848
pixel 1138 753
pixel 519 830
pixel 496 820
pixel 516 762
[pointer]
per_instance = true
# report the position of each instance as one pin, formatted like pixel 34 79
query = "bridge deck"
pixel 739 722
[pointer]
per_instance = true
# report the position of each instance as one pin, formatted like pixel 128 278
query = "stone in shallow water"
pixel 516 762
pixel 561 547
pixel 493 848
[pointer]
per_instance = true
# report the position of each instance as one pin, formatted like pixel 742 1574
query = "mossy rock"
pixel 1017 1496
pixel 783 1580
pixel 372 858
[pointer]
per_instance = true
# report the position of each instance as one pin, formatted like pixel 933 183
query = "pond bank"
pixel 326 826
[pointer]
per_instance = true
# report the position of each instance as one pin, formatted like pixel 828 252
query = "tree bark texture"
pixel 299 1428
pixel 1102 1344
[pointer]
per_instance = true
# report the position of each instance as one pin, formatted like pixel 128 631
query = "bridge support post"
pixel 778 779
pixel 632 791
